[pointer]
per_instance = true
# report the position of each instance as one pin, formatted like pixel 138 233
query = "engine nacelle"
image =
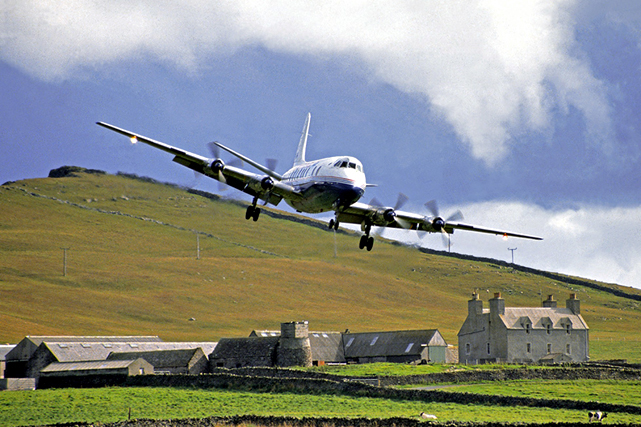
pixel 217 166
pixel 438 223
pixel 267 183
pixel 389 215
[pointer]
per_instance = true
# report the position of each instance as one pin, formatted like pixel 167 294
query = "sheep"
pixel 427 416
pixel 596 416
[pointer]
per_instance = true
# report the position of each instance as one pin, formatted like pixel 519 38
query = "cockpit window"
pixel 344 164
pixel 337 164
pixel 352 165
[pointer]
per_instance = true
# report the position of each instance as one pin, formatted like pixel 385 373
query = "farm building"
pixel 396 347
pixel 4 350
pixel 177 361
pixel 137 366
pixel 18 358
pixel 523 334
pixel 265 348
pixel 86 349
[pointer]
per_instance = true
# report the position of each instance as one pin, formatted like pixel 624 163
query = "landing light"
pixel 505 237
pixel 134 139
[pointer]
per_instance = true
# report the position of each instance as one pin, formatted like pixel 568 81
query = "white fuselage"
pixel 326 184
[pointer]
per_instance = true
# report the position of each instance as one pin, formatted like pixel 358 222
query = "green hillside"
pixel 132 269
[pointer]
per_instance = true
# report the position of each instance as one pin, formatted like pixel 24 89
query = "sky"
pixel 523 115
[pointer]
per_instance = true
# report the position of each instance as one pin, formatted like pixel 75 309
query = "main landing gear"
pixel 253 211
pixel 366 241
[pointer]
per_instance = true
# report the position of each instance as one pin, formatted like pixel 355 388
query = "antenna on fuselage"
pixel 302 144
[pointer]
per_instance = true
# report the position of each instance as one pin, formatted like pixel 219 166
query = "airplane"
pixel 325 185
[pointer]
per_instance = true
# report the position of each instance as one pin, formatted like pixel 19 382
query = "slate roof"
pixel 160 358
pixel 392 343
pixel 85 351
pixel 85 366
pixel 514 317
pixel 327 346
pixel 28 345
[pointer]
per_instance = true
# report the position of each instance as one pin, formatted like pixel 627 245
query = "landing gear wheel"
pixel 363 242
pixel 250 212
pixel 256 214
pixel 370 243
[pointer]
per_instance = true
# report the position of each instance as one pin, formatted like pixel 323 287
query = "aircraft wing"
pixel 371 215
pixel 266 187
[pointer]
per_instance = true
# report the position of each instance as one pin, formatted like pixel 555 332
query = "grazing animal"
pixel 597 416
pixel 427 416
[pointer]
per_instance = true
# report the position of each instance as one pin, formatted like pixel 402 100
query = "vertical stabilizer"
pixel 302 144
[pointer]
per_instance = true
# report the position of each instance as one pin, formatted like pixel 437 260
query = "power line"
pixel 512 250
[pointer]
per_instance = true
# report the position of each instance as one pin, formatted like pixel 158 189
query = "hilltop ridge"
pixel 132 269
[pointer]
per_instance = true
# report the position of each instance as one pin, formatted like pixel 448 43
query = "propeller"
pixel 438 223
pixel 389 214
pixel 218 164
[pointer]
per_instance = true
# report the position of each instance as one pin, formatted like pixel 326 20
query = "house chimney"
pixel 550 302
pixel 497 305
pixel 573 304
pixel 475 305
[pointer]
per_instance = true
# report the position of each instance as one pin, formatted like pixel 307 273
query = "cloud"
pixel 588 241
pixel 493 70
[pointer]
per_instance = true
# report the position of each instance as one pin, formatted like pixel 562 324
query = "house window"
pixel 488 348
pixel 549 348
pixel 567 349
pixel 548 328
pixel 527 328
pixel 467 348
pixel 568 328
pixel 528 348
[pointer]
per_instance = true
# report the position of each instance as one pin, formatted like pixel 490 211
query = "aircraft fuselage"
pixel 327 184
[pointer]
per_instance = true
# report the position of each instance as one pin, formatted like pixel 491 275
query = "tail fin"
pixel 302 144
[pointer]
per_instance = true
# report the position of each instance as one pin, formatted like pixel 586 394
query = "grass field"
pixel 112 404
pixel 132 269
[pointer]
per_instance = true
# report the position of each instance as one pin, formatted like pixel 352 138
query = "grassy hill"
pixel 132 269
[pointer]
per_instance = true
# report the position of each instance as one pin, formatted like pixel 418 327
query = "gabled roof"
pixel 558 317
pixel 394 343
pixel 327 346
pixel 84 366
pixel 86 351
pixel 161 358
pixel 28 345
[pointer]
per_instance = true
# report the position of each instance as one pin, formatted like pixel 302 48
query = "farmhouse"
pixel 523 335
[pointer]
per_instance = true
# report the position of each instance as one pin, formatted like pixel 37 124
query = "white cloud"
pixel 492 69
pixel 592 242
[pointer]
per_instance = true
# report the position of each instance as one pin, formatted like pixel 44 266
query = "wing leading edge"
pixel 268 187
pixel 369 215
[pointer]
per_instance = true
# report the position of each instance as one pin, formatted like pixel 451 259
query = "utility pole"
pixel 64 261
pixel 512 250
pixel 197 246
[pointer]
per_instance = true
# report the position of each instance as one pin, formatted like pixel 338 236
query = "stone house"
pixel 523 334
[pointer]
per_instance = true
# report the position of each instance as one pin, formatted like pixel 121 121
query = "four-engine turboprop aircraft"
pixel 331 184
